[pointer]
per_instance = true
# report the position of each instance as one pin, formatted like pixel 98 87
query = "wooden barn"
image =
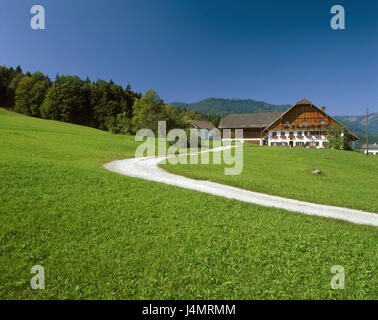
pixel 204 128
pixel 303 125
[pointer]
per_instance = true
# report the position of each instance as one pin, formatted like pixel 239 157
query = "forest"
pixel 100 104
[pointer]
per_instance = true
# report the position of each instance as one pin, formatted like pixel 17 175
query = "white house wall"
pixel 322 138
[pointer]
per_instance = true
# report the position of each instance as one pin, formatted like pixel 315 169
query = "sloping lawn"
pixel 102 235
pixel 348 179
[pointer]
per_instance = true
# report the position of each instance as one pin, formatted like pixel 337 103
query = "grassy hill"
pixel 100 235
pixel 287 172
pixel 225 106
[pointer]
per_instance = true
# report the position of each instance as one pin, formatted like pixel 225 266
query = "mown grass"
pixel 348 179
pixel 100 235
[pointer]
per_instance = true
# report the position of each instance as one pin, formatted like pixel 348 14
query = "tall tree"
pixel 64 100
pixel 148 110
pixel 6 94
pixel 22 95
pixel 30 93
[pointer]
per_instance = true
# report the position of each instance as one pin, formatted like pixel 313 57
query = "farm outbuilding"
pixel 204 128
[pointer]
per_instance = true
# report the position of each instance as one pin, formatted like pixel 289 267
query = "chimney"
pixel 323 109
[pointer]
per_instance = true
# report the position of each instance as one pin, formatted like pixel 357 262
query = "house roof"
pixel 201 124
pixel 371 146
pixel 303 101
pixel 265 120
pixel 249 120
pixel 307 102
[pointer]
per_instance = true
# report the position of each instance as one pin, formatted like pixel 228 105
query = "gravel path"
pixel 147 168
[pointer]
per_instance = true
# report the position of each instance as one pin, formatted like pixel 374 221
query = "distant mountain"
pixel 226 106
pixel 359 122
pixel 357 125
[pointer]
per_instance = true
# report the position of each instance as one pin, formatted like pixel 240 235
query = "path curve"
pixel 147 168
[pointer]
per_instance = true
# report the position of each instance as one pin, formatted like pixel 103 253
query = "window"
pixel 291 133
pixel 274 134
pixel 321 121
pixel 317 144
pixel 287 122
pixel 304 122
pixel 299 133
pixel 299 144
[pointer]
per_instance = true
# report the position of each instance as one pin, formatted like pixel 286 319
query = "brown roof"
pixel 303 101
pixel 201 124
pixel 249 120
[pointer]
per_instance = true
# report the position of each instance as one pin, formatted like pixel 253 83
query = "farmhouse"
pixel 204 128
pixel 303 125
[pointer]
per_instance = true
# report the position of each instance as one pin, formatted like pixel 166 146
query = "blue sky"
pixel 188 50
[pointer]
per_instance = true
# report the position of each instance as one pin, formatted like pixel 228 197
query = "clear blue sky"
pixel 188 50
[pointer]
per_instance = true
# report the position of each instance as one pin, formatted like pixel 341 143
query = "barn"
pixel 204 128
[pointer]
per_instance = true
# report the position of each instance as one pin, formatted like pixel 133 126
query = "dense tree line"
pixel 103 105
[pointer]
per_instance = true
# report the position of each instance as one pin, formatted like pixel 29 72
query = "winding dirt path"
pixel 147 168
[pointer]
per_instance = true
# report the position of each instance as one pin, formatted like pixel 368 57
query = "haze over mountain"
pixel 226 106
pixel 356 124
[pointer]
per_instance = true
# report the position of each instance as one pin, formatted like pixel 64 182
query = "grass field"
pixel 102 235
pixel 348 179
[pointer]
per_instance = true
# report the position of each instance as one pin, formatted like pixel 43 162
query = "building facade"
pixel 372 149
pixel 303 125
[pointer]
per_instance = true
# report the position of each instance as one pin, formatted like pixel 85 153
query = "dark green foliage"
pixel 22 103
pixel 68 99
pixel 64 100
pixel 108 100
pixel 148 110
pixel 122 124
pixel 6 93
pixel 100 104
pixel 338 138
pixel 30 92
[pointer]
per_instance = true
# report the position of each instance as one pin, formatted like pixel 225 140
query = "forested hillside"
pixel 109 106
pixel 357 125
pixel 226 106
pixel 99 104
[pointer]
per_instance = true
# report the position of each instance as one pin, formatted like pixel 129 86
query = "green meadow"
pixel 100 235
pixel 348 179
